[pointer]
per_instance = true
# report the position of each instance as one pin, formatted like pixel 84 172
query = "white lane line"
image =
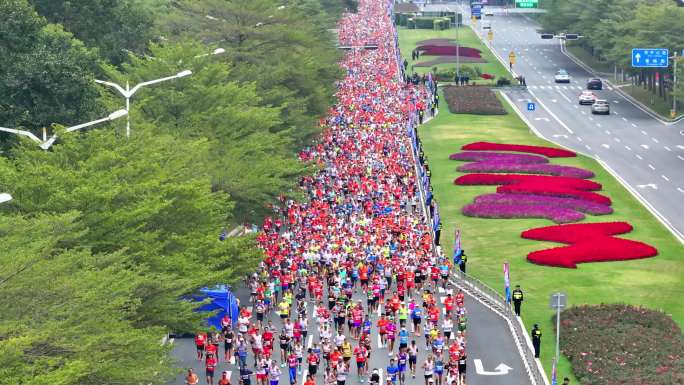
pixel 680 157
pixel 651 167
pixel 680 190
pixel 590 118
pixel 623 118
pixel 655 140
pixel 576 106
pixel 564 97
pixel 607 132
pixel 587 146
pixel 617 139
pixel 644 132
pixel 605 145
pixel 579 139
pixel 628 148
pixel 615 113
pixel 666 178
pixel 583 112
pixel 667 148
pixel 599 125
pixel 639 157
pixel 552 114
pixel 634 125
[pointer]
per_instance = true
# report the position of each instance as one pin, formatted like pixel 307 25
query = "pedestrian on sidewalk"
pixel 536 340
pixel 517 299
pixel 464 260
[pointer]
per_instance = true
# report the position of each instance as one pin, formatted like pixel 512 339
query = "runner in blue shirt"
pixel 416 316
pixel 403 339
pixel 393 371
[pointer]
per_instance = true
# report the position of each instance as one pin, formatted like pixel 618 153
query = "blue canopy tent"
pixel 222 302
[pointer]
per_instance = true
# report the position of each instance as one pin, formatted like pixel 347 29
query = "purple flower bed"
pixel 508 211
pixel 484 156
pixel 584 206
pixel 505 166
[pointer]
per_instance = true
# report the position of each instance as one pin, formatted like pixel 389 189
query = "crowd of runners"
pixel 351 286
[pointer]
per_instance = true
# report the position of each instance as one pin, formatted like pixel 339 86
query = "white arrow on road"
pixel 501 370
pixel 651 185
pixel 560 136
pixel 544 119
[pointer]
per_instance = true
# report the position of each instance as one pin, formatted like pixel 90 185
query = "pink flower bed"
pixel 543 189
pixel 590 242
pixel 481 156
pixel 448 50
pixel 521 179
pixel 546 151
pixel 514 210
pixel 523 200
pixel 498 166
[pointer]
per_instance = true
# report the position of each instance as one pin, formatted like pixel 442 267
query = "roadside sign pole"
pixel 458 55
pixel 558 309
pixel 673 113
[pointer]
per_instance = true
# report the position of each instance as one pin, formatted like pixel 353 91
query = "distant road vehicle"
pixel 587 97
pixel 594 84
pixel 488 12
pixel 600 106
pixel 562 76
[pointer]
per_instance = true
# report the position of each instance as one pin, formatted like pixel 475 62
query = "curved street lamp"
pixel 129 92
pixel 46 143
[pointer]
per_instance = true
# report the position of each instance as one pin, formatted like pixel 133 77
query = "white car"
pixel 600 106
pixel 587 97
pixel 489 12
pixel 562 76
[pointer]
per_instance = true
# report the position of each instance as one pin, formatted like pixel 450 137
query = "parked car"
pixel 562 76
pixel 594 84
pixel 600 106
pixel 587 97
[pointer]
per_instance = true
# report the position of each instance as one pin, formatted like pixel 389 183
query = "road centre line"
pixel 552 114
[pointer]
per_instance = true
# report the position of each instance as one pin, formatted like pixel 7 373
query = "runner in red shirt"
pixel 200 343
pixel 210 366
pixel 449 304
pixel 361 355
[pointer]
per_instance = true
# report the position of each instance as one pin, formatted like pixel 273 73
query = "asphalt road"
pixel 488 340
pixel 646 153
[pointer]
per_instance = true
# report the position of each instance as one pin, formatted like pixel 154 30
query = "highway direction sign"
pixel 526 3
pixel 650 57
pixel 558 300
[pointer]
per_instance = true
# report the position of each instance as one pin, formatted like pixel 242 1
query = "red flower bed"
pixel 521 179
pixel 448 50
pixel 546 151
pixel 556 191
pixel 591 242
pixel 487 76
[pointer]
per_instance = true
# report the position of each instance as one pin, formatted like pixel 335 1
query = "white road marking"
pixel 309 341
pixel 644 132
pixel 628 148
pixel 615 113
pixel 564 97
pixel 680 157
pixel 605 145
pixel 655 140
pixel 680 190
pixel 666 178
pixel 651 167
pixel 579 139
pixel 667 148
pixel 587 146
pixel 616 101
pixel 634 125
pixel 599 125
pixel 617 139
pixel 680 147
pixel 583 112
pixel 552 114
pixel 645 146
pixel 623 118
pixel 639 157
pixel 607 132
pixel 576 106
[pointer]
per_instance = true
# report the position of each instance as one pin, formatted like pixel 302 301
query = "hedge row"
pixel 619 344
pixel 437 23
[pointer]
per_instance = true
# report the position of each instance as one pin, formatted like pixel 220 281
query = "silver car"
pixel 600 106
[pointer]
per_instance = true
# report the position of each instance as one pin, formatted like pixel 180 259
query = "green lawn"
pixel 408 39
pixel 656 283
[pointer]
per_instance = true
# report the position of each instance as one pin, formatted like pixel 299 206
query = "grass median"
pixel 656 283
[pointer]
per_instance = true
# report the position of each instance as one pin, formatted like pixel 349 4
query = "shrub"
pixel 522 179
pixel 482 156
pixel 441 23
pixel 424 22
pixel 503 82
pixel 614 344
pixel 570 203
pixel 503 166
pixel 551 152
pixel 473 100
pixel 515 210
pixel 590 242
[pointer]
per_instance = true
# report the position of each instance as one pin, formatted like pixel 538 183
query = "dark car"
pixel 594 84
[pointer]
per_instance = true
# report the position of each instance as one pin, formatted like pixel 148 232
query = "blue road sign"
pixel 650 57
pixel 530 106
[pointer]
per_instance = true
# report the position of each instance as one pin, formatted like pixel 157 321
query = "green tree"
pixel 46 76
pixel 66 312
pixel 111 26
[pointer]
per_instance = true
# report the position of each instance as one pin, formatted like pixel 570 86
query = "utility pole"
pixel 673 113
pixel 458 51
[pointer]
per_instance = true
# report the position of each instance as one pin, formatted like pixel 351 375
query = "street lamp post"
pixel 129 92
pixel 673 113
pixel 46 143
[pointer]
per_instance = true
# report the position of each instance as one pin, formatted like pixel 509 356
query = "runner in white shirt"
pixel 447 327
